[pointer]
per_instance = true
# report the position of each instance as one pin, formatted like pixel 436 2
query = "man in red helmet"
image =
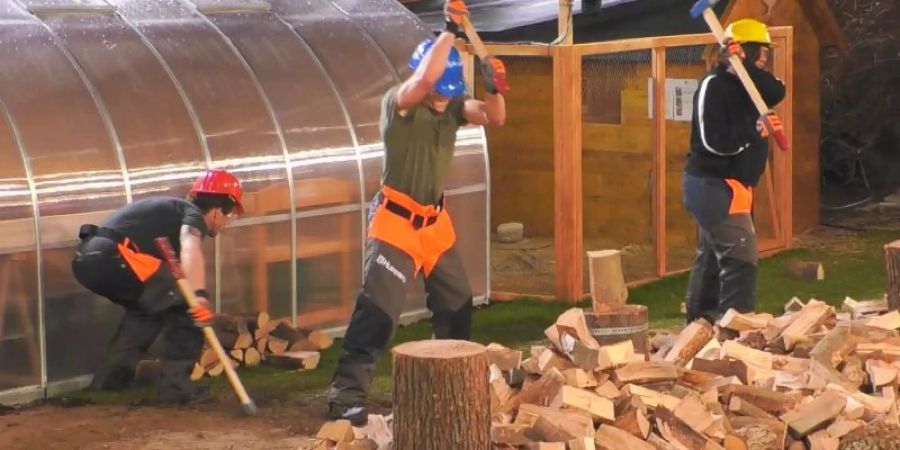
pixel 409 227
pixel 119 260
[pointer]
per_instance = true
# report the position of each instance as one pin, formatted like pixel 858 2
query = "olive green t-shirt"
pixel 418 146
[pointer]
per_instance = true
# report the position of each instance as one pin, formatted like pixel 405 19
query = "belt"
pixel 418 221
pixel 88 231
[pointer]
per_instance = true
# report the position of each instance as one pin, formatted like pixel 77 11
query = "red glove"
pixel 734 48
pixel 774 120
pixel 494 72
pixel 454 10
pixel 200 312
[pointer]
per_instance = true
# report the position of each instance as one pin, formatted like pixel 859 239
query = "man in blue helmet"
pixel 409 226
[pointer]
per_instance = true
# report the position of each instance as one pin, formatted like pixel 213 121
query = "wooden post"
pixel 441 396
pixel 658 64
pixel 568 229
pixel 892 263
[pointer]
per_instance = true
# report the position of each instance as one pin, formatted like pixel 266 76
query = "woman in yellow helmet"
pixel 728 156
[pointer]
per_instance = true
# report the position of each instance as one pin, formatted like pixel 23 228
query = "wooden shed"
pixel 628 195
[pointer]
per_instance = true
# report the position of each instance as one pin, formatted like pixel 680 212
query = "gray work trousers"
pixel 378 306
pixel 725 267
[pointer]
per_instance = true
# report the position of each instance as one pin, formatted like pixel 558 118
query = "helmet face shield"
pixel 452 82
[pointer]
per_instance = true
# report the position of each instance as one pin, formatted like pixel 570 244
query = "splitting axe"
pixel 704 8
pixel 477 45
pixel 247 405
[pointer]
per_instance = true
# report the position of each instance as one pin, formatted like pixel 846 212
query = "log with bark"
pixel 892 265
pixel 440 396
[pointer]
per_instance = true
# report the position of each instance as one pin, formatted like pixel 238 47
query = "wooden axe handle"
pixel 710 17
pixel 480 49
pixel 247 405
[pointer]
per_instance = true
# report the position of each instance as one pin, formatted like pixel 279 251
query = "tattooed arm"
pixel 192 256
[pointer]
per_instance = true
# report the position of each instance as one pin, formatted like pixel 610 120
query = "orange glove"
pixel 494 72
pixel 454 10
pixel 734 48
pixel 774 120
pixel 200 312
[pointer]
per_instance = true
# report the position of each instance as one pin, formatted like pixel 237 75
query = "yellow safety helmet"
pixel 748 30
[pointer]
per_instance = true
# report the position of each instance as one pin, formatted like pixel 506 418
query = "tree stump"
pixel 612 327
pixel 608 289
pixel 892 261
pixel 441 396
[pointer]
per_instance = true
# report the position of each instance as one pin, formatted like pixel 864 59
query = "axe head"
pixel 700 6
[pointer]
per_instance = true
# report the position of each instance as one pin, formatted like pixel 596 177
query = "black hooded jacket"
pixel 725 142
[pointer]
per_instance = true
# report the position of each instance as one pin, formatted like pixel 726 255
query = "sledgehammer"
pixel 247 405
pixel 704 8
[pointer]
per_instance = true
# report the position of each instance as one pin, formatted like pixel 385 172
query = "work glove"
pixel 454 10
pixel 494 73
pixel 774 120
pixel 733 47
pixel 200 312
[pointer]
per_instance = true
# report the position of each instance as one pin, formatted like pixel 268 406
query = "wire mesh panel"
pixel 618 153
pixel 521 167
pixel 685 66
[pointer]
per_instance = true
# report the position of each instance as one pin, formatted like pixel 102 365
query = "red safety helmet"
pixel 218 181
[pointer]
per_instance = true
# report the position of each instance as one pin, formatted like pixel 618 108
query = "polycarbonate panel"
pixel 393 27
pixel 77 177
pixel 161 148
pixel 238 127
pixel 328 268
pixel 685 66
pixel 362 76
pixel 326 173
pixel 20 363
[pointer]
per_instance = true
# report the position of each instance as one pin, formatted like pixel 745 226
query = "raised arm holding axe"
pixel 728 155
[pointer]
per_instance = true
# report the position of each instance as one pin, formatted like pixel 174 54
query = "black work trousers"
pixel 725 268
pixel 151 307
pixel 378 306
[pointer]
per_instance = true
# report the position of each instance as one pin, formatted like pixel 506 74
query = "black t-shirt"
pixel 145 220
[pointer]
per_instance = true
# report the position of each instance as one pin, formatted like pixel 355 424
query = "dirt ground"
pixel 208 427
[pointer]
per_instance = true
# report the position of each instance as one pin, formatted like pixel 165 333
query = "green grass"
pixel 853 267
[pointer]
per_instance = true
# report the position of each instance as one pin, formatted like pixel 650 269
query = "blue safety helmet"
pixel 451 84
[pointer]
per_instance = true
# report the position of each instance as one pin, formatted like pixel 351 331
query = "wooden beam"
pixel 658 196
pixel 567 124
pixel 783 38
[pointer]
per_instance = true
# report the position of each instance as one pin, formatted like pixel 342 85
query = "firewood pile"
pixel 250 340
pixel 812 378
pixel 341 435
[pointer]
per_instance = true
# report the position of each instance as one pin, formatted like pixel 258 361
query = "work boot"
pixel 358 415
pixel 200 394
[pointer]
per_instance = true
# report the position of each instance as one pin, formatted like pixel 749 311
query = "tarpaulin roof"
pixel 536 20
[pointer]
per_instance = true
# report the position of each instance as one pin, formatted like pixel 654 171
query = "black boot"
pixel 358 415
